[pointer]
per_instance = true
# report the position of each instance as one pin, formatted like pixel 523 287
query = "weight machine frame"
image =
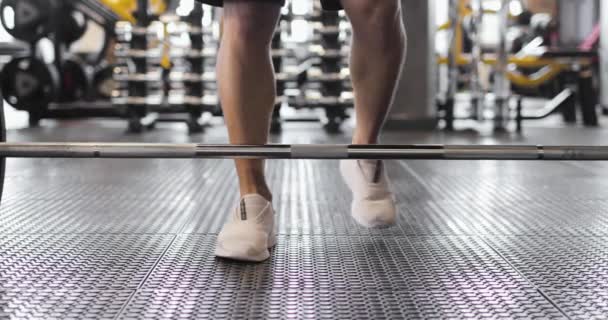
pixel 553 63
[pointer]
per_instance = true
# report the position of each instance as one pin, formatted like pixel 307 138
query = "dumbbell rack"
pixel 57 90
pixel 144 109
pixel 195 80
pixel 327 83
pixel 137 78
pixel 6 49
pixel 278 54
pixel 318 81
pixel 322 80
pixel 332 79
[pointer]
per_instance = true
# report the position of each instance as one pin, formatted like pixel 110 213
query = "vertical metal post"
pixel 331 63
pixel 453 47
pixel 277 62
pixel 604 55
pixel 577 19
pixel 138 88
pixel 477 94
pixel 454 51
pixel 195 88
pixel 416 100
pixel 58 11
pixel 501 83
pixel 143 16
pixel 2 139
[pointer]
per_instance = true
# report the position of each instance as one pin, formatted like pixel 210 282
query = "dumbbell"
pixel 32 20
pixel 27 20
pixel 103 83
pixel 29 84
pixel 75 81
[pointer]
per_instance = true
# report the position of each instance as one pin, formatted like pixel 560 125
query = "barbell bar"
pixel 308 151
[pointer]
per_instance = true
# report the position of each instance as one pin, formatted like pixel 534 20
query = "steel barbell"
pixel 303 151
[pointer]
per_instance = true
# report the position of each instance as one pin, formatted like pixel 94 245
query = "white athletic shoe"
pixel 250 232
pixel 373 202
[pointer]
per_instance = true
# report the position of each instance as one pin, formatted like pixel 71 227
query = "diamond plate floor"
pixel 133 239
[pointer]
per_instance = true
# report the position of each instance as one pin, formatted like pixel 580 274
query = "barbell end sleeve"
pixel 575 153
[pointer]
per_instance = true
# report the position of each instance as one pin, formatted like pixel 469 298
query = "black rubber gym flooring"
pixel 134 239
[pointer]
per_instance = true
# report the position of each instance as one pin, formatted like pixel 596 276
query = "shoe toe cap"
pixel 235 242
pixel 375 214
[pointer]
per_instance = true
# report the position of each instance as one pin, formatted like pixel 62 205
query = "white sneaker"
pixel 373 202
pixel 250 232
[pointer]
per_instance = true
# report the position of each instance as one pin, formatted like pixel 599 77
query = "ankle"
pixel 264 191
pixel 358 140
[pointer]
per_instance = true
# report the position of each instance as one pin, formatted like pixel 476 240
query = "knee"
pixel 249 25
pixel 374 14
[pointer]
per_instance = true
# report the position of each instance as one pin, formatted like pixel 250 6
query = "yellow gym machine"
pixel 507 69
pixel 126 9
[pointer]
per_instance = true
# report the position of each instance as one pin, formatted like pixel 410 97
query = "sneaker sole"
pixel 226 254
pixel 376 222
pixel 221 252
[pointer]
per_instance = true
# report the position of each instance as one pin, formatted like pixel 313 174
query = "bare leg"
pixel 246 82
pixel 378 53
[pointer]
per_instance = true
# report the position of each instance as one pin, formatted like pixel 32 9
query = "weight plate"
pixel 2 139
pixel 27 20
pixel 103 82
pixel 74 81
pixel 28 84
pixel 73 26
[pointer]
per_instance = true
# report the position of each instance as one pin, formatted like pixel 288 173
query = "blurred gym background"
pixel 134 239
pixel 485 65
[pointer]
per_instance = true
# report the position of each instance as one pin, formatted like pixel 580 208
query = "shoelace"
pixel 377 171
pixel 243 210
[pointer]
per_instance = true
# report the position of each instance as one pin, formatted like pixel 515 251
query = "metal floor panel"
pixel 581 304
pixel 559 218
pixel 562 218
pixel 62 304
pixel 552 262
pixel 309 196
pixel 572 271
pixel 500 169
pixel 93 215
pixel 338 304
pixel 164 179
pixel 110 261
pixel 428 218
pixel 593 167
pixel 339 262
pixel 487 182
pixel 134 239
